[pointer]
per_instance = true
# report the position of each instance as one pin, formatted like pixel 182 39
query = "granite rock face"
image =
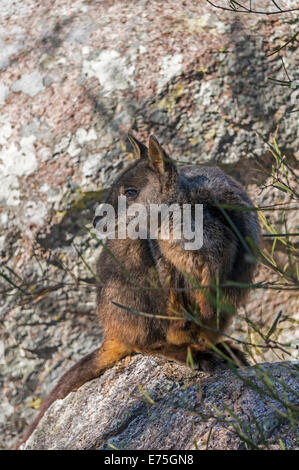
pixel 75 76
pixel 149 403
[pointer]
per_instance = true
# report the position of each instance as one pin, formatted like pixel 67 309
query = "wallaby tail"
pixel 89 367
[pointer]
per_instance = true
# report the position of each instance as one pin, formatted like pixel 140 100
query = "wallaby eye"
pixel 131 193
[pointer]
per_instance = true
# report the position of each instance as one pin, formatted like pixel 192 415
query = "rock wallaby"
pixel 154 296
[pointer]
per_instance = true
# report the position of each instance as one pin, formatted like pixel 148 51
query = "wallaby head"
pixel 150 179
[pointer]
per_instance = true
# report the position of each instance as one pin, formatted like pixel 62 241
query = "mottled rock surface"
pixel 149 403
pixel 75 76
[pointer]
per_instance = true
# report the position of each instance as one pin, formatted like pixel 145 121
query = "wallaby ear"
pixel 158 158
pixel 140 150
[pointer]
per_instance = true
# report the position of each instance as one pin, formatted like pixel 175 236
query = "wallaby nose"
pixel 96 220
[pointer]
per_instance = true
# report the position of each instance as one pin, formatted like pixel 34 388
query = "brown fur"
pixel 168 266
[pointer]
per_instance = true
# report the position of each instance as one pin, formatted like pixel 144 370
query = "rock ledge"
pixel 150 403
